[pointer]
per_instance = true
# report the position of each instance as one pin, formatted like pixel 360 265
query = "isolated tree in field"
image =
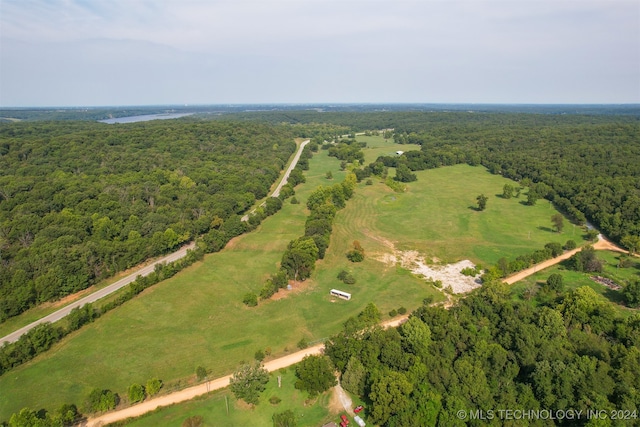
pixel 329 175
pixel 357 253
pixel 248 382
pixel 201 373
pixel 532 197
pixel 558 222
pixel 507 191
pixel 315 374
pixel 482 202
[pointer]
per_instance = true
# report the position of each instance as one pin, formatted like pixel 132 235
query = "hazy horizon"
pixel 74 53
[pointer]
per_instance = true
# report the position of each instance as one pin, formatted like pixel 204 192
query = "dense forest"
pixel 81 201
pixel 589 167
pixel 487 355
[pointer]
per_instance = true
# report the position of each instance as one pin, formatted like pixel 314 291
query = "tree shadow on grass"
pixel 541 228
pixel 475 208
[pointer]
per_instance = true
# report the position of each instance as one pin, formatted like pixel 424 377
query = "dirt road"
pixel 191 392
pixel 601 245
pixel 57 315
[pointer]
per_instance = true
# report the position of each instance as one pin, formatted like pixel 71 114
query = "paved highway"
pixel 285 178
pixel 57 315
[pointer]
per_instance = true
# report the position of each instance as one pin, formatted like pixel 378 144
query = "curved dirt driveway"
pixel 218 383
pixel 601 245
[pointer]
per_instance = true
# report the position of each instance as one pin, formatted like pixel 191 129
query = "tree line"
pixel 490 352
pixel 81 201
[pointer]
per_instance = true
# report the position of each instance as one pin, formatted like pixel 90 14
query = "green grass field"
pixel 213 408
pixel 197 318
pixel 574 279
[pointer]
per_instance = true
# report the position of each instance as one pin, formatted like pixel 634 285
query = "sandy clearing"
pixel 449 274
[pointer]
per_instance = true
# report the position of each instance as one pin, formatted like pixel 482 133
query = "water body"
pixel 145 118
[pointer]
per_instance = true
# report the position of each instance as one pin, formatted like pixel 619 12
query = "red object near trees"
pixel 358 409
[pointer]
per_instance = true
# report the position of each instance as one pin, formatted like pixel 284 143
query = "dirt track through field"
pixel 219 383
pixel 601 245
pixel 292 359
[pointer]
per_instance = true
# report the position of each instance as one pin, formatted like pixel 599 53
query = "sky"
pixel 160 52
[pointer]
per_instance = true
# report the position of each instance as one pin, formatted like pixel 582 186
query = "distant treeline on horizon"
pixel 110 112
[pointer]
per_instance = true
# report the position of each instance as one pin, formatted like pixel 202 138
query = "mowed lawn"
pixel 197 318
pixel 221 409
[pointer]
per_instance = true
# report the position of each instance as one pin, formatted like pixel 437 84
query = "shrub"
pixel 201 373
pixel 349 279
pixel 294 201
pixel 355 256
pixel 274 400
pixel 250 299
pixel 402 310
pixel 136 393
pixel 259 356
pixel 555 248
pixel 570 245
pixel 194 421
pixel 153 386
pixel 303 343
pixel 554 282
pixel 393 313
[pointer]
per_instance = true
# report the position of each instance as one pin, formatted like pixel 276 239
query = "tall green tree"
pixel 558 222
pixel 300 257
pixel 507 191
pixel 315 374
pixel 248 382
pixel 482 202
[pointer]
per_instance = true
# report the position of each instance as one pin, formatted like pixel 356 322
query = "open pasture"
pixel 197 318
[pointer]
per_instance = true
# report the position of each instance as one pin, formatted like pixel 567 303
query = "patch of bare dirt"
pixel 69 298
pixel 296 287
pixel 449 274
pixel 340 401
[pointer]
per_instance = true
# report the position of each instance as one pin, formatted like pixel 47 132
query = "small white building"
pixel 399 153
pixel 340 294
